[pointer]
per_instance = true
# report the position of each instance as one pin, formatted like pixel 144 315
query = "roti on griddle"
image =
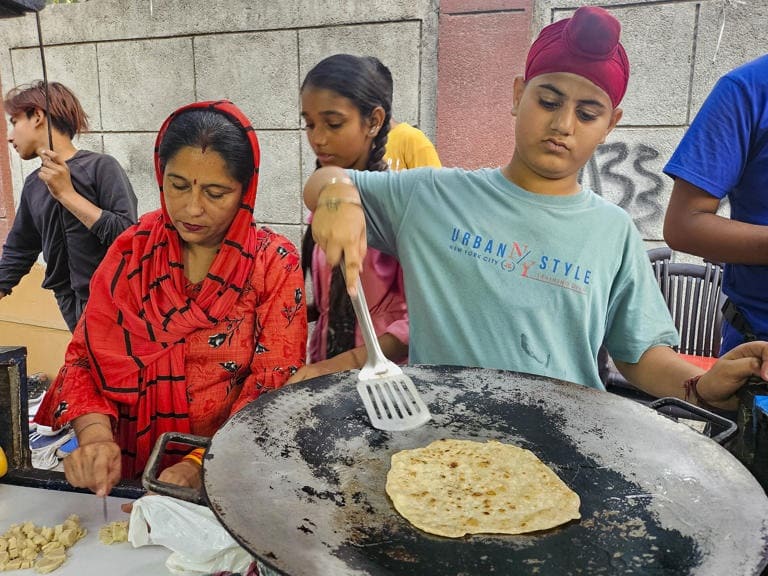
pixel 457 487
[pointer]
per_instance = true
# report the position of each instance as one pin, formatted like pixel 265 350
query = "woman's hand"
pixel 95 466
pixel 732 370
pixel 184 473
pixel 96 463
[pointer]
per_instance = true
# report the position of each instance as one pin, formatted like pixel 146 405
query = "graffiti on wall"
pixel 630 175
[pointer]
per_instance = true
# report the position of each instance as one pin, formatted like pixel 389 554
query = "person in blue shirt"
pixel 724 154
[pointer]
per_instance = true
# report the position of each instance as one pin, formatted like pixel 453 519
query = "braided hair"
pixel 367 83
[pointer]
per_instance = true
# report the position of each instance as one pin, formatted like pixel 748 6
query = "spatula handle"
pixel 376 358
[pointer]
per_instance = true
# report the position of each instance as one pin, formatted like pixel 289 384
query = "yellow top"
pixel 408 147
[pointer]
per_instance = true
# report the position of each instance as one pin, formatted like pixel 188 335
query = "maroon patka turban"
pixel 586 44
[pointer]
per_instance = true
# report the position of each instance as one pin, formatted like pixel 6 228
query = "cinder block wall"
pixel 132 63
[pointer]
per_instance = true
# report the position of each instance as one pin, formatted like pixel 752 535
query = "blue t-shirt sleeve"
pixel 638 317
pixel 713 152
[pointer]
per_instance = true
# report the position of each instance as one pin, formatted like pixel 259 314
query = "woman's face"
pixel 201 196
pixel 337 132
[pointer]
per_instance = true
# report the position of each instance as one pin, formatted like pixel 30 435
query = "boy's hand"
pixel 338 221
pixel 55 173
pixel 338 227
pixel 732 370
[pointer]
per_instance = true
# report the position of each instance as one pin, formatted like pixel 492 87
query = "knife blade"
pixel 104 508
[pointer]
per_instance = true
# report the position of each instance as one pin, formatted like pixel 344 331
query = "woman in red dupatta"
pixel 194 311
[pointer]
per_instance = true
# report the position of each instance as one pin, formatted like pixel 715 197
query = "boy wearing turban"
pixel 521 268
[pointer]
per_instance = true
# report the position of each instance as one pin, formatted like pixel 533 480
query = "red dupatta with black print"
pixel 140 314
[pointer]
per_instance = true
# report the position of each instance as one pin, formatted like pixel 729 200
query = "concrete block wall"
pixel 675 59
pixel 132 63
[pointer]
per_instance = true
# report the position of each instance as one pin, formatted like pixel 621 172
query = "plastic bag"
pixel 199 543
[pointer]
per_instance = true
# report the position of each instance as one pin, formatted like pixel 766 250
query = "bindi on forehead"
pixel 194 181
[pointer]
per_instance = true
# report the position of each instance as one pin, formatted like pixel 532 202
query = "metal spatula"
pixel 389 396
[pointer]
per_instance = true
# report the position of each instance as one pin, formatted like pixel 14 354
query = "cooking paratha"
pixel 457 487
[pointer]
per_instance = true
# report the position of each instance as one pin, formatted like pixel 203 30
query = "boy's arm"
pixel 338 221
pixel 116 199
pixel 692 225
pixel 707 165
pixel 22 247
pixel 116 209
pixel 662 372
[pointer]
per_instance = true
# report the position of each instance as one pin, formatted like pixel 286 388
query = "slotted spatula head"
pixel 389 396
pixel 393 403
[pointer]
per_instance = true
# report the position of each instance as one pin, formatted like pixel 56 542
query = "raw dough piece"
pixel 114 532
pixel 29 546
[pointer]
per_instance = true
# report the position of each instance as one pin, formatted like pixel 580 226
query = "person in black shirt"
pixel 72 207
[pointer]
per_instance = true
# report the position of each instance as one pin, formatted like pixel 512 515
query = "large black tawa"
pixel 298 478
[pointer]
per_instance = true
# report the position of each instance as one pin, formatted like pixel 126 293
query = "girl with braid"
pixel 346 103
pixel 194 312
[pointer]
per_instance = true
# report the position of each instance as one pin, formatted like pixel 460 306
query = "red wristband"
pixel 692 393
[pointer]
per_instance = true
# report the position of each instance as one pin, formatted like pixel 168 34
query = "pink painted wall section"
pixel 6 188
pixel 482 47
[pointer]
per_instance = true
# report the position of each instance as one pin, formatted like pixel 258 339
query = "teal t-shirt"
pixel 498 277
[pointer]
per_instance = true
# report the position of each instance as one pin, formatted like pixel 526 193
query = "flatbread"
pixel 457 487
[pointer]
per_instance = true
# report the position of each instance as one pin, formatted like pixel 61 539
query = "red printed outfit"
pixel 158 354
